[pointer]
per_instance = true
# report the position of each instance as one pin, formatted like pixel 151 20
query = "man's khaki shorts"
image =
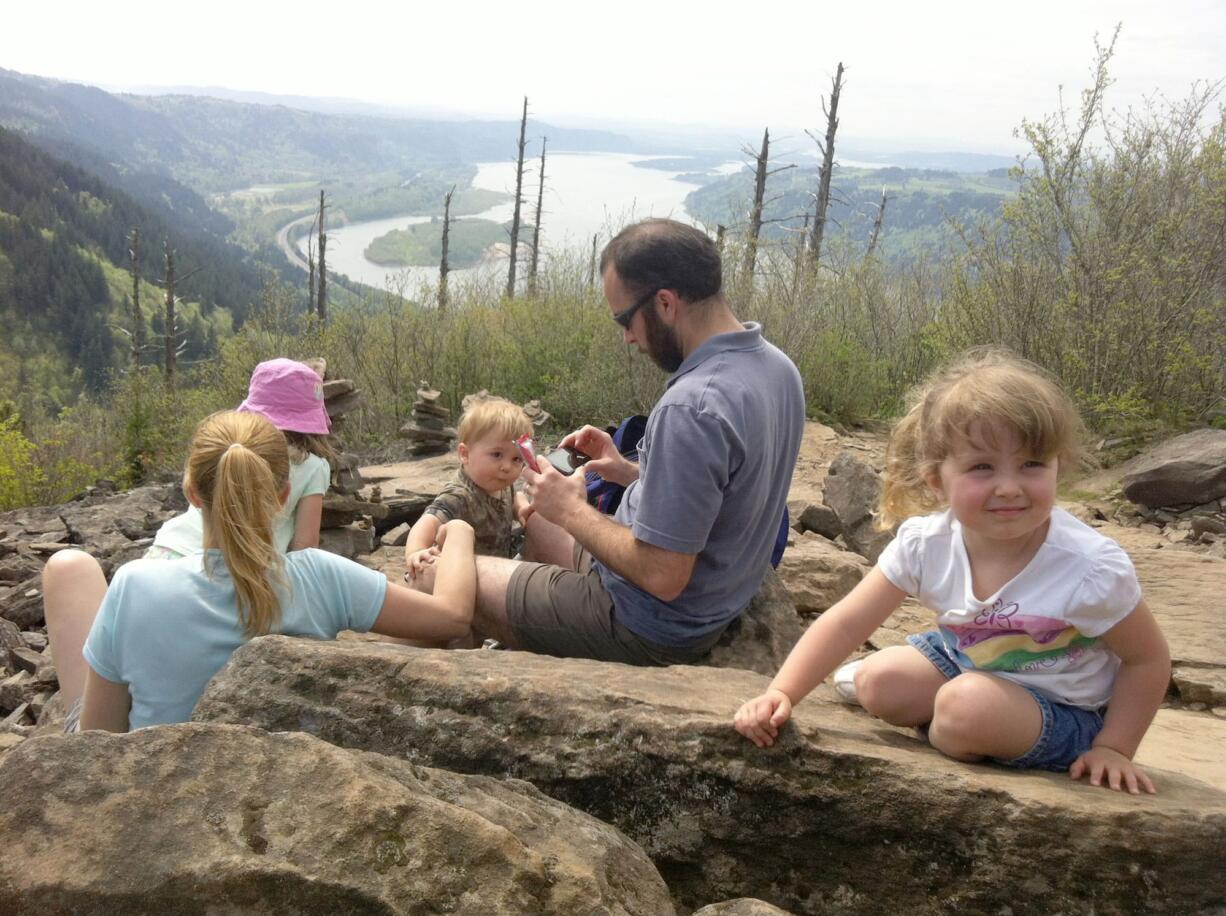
pixel 568 614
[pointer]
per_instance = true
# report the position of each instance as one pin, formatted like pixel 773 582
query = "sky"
pixel 937 75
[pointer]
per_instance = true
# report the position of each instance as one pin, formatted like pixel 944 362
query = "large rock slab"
pixel 1188 470
pixel 221 819
pixel 856 816
pixel 1187 593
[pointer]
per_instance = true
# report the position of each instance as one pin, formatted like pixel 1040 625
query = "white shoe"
pixel 844 681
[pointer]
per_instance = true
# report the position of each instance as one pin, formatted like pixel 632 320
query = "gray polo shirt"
pixel 715 464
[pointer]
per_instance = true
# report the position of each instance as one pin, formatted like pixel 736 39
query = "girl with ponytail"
pixel 140 652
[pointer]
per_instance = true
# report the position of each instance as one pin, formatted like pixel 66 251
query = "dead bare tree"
pixel 519 196
pixel 321 310
pixel 170 331
pixel 872 241
pixel 798 262
pixel 443 267
pixel 138 316
pixel 720 231
pixel 591 268
pixel 311 266
pixel 826 148
pixel 536 226
pixel 761 173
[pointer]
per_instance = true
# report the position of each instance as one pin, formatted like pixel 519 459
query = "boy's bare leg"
pixel 545 542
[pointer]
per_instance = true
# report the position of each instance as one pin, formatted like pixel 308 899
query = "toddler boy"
pixel 481 493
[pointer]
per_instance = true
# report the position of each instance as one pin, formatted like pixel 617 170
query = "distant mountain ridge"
pixel 217 145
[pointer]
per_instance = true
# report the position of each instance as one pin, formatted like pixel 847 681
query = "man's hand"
pixel 606 460
pixel 554 496
pixel 1120 771
pixel 759 720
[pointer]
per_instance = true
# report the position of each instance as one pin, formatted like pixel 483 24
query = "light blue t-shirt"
pixel 184 534
pixel 715 464
pixel 166 626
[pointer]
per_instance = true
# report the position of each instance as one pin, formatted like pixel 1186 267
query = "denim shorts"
pixel 1067 731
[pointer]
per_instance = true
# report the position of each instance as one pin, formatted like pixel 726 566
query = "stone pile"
pixel 428 431
pixel 347 525
pixel 1178 489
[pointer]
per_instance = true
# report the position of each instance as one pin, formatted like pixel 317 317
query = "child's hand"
pixel 523 509
pixel 1119 769
pixel 759 719
pixel 418 560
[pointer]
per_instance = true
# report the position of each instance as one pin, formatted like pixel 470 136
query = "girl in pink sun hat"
pixel 290 395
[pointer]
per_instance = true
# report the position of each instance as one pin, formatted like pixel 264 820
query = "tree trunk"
pixel 311 268
pixel 321 310
pixel 720 231
pixel 755 213
pixel 138 317
pixel 443 267
pixel 170 337
pixel 823 185
pixel 519 195
pixel 536 228
pixel 591 268
pixel 872 242
pixel 798 262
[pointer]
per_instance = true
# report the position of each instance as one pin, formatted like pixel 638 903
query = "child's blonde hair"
pixel 985 384
pixel 239 466
pixel 493 415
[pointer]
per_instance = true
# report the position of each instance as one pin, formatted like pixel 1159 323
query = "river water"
pixel 585 194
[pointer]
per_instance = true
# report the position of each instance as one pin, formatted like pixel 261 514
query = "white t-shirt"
pixel 1042 628
pixel 184 534
pixel 166 627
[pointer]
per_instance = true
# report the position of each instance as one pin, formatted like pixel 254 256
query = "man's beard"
pixel 662 344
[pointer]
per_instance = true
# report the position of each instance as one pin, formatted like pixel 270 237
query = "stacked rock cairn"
pixel 428 432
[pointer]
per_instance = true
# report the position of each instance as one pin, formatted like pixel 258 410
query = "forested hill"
pixel 218 145
pixel 921 203
pixel 64 238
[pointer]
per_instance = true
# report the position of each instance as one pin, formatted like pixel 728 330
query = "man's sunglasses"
pixel 626 316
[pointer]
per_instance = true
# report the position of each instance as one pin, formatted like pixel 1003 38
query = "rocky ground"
pixel 847 815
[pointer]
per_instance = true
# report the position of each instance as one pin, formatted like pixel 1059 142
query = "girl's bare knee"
pixel 958 716
pixel 66 565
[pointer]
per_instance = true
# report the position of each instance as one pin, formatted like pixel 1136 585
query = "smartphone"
pixel 567 459
pixel 528 451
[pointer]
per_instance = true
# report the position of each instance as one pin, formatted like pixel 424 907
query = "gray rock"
pixel 352 541
pixel 742 906
pixel 859 814
pixel 1188 470
pixel 761 638
pixel 852 490
pixel 821 520
pixel 216 819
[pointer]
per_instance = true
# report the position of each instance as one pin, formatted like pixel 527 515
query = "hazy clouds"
pixel 938 74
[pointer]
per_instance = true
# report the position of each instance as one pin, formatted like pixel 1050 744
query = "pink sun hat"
pixel 290 395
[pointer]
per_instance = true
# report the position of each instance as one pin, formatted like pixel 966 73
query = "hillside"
pixel 920 204
pixel 64 240
pixel 216 145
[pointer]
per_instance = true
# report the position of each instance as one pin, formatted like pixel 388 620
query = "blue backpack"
pixel 607 496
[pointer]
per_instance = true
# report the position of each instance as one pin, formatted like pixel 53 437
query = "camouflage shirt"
pixel 490 516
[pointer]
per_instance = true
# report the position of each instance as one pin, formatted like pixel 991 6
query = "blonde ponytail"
pixel 239 466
